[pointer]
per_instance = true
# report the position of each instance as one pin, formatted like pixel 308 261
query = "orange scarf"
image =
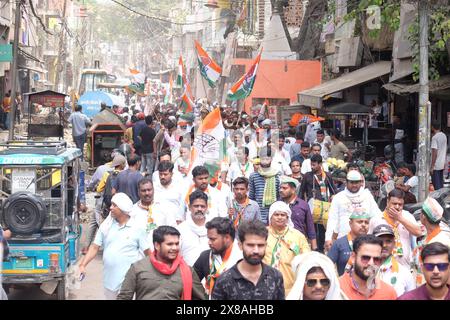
pixel 150 222
pixel 398 250
pixel 214 272
pixel 349 265
pixel 391 262
pixel 237 220
pixel 417 252
pixel 186 274
pixel 191 189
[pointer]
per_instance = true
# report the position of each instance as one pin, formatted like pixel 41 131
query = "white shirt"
pixel 342 207
pixel 173 194
pixel 324 150
pixel 306 166
pixel 402 281
pixel 193 241
pixel 413 182
pixel 279 163
pixel 288 142
pixel 217 206
pixel 226 193
pixel 163 214
pixel 439 142
pixel 176 177
pixel 405 236
pixel 236 169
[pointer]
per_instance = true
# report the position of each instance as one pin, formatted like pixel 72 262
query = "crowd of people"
pixel 266 222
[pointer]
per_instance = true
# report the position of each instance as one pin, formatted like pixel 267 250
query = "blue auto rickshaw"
pixel 39 201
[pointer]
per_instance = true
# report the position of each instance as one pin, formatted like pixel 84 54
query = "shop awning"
pixel 443 83
pixel 32 68
pixel 313 97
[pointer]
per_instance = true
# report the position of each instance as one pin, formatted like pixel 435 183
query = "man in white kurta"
pixel 193 232
pixel 217 206
pixel 150 212
pixel 353 198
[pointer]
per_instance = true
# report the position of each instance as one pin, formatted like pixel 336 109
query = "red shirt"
pixel 383 291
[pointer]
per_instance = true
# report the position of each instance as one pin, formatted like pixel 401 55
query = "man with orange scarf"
pixel 430 218
pixel 163 276
pixel 391 271
pixel 402 223
pixel 224 252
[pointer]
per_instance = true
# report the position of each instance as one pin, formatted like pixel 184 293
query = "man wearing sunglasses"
pixel 430 217
pixel 435 265
pixel 391 270
pixel 361 282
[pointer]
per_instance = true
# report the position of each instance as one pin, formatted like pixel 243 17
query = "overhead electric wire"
pixel 39 18
pixel 167 20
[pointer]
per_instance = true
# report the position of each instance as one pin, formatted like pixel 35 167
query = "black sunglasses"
pixel 313 282
pixel 366 259
pixel 441 266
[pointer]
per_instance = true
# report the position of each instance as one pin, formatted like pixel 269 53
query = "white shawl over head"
pixel 303 263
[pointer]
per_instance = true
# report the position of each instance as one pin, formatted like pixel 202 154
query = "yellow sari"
pixel 281 249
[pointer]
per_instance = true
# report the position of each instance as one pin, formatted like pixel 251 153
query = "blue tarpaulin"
pixel 91 100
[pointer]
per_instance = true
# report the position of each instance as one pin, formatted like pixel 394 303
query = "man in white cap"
pixel 122 242
pixel 284 242
pixel 430 217
pixel 353 198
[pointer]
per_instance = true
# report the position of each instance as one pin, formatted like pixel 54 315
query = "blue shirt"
pixel 127 182
pixel 79 122
pixel 121 248
pixel 340 253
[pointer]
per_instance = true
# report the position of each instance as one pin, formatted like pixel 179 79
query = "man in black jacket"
pixel 224 252
pixel 319 185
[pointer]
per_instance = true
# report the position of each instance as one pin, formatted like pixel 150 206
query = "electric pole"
pixel 12 113
pixel 62 47
pixel 424 105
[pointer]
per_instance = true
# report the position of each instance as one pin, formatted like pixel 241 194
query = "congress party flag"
pixel 244 86
pixel 209 69
pixel 208 140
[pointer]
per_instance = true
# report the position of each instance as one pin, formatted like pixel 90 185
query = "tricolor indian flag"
pixel 138 83
pixel 244 86
pixel 186 105
pixel 208 140
pixel 209 69
pixel 182 77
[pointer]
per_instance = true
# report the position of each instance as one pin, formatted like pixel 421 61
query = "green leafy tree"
pixel 439 30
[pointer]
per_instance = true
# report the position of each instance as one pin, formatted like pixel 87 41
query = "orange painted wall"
pixel 273 82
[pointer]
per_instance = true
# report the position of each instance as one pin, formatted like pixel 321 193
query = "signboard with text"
pixel 6 53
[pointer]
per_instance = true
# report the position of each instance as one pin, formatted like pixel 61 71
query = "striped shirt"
pixel 256 192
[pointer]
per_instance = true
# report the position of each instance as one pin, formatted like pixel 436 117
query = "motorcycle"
pixel 443 197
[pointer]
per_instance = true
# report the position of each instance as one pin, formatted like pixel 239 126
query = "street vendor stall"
pixel 105 135
pixel 45 116
pixel 353 119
